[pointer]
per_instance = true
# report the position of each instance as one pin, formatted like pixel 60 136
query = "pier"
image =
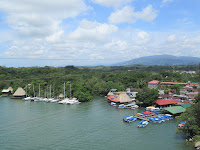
pixel 146 118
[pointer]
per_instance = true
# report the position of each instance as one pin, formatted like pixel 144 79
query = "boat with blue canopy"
pixel 143 124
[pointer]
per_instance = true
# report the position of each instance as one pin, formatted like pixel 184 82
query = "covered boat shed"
pixel 166 102
pixel 175 109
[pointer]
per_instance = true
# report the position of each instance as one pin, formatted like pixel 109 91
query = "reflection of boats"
pixel 143 124
pixel 129 118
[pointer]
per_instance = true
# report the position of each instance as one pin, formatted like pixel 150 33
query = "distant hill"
pixel 162 60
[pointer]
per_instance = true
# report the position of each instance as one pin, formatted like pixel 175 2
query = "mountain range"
pixel 162 60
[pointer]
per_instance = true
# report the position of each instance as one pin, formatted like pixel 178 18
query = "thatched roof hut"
pixel 19 93
pixel 61 96
pixel 123 98
pixel 11 89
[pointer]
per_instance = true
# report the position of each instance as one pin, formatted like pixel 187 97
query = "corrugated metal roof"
pixel 186 105
pixel 175 109
pixel 166 101
pixel 154 82
pixel 5 90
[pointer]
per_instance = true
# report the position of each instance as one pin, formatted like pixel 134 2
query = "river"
pixel 95 125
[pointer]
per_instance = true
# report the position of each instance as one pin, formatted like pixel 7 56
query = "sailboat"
pixel 65 99
pixel 72 100
pixel 27 98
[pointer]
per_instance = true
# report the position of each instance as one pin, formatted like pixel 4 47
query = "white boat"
pixel 27 98
pixel 134 106
pixel 73 101
pixel 54 100
pixel 121 106
pixel 113 104
pixel 63 101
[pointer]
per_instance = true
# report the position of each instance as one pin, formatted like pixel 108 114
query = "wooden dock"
pixel 146 117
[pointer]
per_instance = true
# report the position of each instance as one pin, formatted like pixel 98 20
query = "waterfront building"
pixel 19 93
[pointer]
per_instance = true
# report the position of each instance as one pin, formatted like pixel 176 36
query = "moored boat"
pixel 143 124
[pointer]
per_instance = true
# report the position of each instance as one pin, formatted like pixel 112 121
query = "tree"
pixel 192 118
pixel 148 96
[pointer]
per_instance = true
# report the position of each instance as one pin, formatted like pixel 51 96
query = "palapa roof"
pixel 10 88
pixel 61 96
pixel 175 109
pixel 19 92
pixel 123 98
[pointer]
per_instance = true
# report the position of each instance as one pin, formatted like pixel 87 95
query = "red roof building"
pixel 166 101
pixel 154 82
pixel 112 98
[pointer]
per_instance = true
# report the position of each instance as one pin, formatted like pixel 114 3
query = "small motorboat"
pixel 113 104
pixel 143 124
pixel 121 106
pixel 181 124
pixel 129 118
pixel 27 98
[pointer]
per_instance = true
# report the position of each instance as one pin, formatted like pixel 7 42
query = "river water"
pixel 94 125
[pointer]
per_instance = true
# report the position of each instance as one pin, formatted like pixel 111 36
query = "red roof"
pixel 166 101
pixel 112 98
pixel 148 112
pixel 173 83
pixel 154 82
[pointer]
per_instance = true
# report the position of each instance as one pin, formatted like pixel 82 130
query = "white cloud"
pixel 167 1
pixel 123 15
pixel 128 15
pixel 171 38
pixel 114 3
pixel 147 14
pixel 36 18
pixel 92 31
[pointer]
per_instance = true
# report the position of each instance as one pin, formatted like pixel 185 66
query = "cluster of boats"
pixel 143 123
pixel 129 106
pixel 52 100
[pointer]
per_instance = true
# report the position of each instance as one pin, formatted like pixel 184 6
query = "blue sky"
pixel 94 32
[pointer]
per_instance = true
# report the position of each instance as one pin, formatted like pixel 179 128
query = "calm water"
pixel 95 125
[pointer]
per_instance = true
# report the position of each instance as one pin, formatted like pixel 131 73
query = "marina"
pixel 40 125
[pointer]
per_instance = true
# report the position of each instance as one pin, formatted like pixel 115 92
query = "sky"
pixel 95 32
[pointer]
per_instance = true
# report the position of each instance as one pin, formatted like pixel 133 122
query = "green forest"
pixel 87 82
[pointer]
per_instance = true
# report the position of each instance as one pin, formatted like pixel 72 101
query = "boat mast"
pixel 26 90
pixel 33 91
pixel 70 90
pixel 50 91
pixel 39 90
pixel 64 90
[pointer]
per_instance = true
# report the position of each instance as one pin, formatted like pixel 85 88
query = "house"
pixel 192 95
pixel 165 96
pixel 19 93
pixel 6 92
pixel 166 102
pixel 153 84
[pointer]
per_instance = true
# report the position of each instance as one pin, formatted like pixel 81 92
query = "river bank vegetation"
pixel 87 82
